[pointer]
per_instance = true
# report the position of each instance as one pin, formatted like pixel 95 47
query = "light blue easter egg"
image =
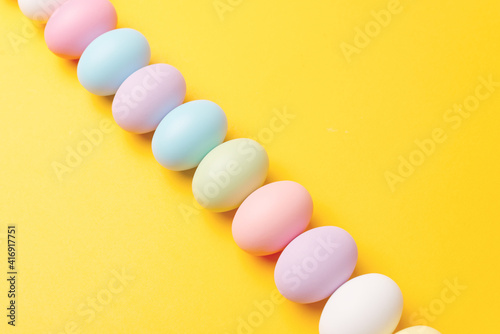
pixel 187 133
pixel 111 58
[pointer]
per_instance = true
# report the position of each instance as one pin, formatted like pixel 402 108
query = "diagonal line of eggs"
pixel 314 264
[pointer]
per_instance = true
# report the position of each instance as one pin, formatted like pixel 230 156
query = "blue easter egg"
pixel 111 58
pixel 188 133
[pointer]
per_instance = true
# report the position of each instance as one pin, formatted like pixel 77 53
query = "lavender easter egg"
pixel 147 96
pixel 315 264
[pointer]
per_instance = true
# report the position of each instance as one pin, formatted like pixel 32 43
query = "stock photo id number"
pixel 11 274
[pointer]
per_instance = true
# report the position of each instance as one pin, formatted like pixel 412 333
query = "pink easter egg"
pixel 315 264
pixel 271 217
pixel 147 96
pixel 75 24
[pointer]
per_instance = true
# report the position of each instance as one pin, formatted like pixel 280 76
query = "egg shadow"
pixel 140 143
pixel 314 307
pixel 68 66
pixel 187 174
pixel 226 217
pixel 145 138
pixel 266 263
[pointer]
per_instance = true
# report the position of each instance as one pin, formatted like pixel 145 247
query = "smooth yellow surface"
pixel 120 210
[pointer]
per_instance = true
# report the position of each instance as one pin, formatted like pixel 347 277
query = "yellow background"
pixel 120 210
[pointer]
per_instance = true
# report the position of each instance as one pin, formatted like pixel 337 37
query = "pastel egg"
pixel 187 133
pixel 367 304
pixel 111 58
pixel 39 10
pixel 77 23
pixel 146 96
pixel 229 173
pixel 315 264
pixel 271 217
pixel 419 330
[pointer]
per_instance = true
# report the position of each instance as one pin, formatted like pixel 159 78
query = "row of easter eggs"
pixel 315 264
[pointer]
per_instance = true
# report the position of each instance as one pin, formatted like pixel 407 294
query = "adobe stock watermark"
pixel 28 29
pixel 88 310
pixel 299 273
pixel 452 118
pixel 278 123
pixel 26 32
pixel 264 310
pixel 363 37
pixel 46 9
pixel 76 153
pixel 425 316
pixel 224 6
